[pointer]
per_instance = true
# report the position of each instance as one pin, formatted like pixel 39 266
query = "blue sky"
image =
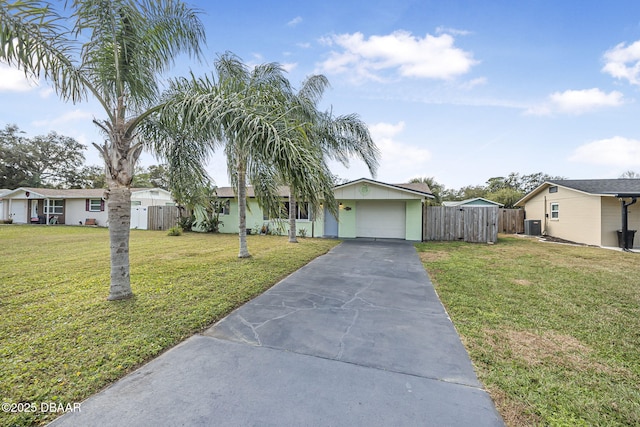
pixel 458 90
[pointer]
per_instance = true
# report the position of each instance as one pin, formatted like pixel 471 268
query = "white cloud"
pixel 295 21
pixel 577 102
pixel 453 31
pixel 289 66
pixel 433 57
pixel 46 92
pixel 70 116
pixel 616 151
pixel 480 81
pixel 398 160
pixel 14 80
pixel 623 62
pixel 303 45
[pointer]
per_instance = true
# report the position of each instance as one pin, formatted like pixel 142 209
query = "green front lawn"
pixel 553 330
pixel 61 341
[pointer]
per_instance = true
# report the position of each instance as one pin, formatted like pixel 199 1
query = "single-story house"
pixel 3 191
pixel 589 211
pixel 73 207
pixel 476 201
pixel 366 208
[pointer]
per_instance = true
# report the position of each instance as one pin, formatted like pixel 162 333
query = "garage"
pixel 381 218
pixel 374 209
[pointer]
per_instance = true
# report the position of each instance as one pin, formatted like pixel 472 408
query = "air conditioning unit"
pixel 532 227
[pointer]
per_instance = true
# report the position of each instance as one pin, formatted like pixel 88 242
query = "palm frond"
pixel 33 37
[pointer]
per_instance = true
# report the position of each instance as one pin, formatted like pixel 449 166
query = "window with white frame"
pixel 95 205
pixel 302 210
pixel 222 206
pixel 555 210
pixel 54 207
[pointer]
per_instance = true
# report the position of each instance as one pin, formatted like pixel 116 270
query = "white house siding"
pixel 76 212
pixel 157 197
pixel 18 211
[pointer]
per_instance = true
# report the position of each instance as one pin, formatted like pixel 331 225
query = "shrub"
pixel 186 222
pixel 175 231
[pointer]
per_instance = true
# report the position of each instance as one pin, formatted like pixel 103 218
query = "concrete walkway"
pixel 358 337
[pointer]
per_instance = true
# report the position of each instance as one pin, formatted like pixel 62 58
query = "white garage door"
pixel 381 218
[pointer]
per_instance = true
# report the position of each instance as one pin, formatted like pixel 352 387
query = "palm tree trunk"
pixel 242 210
pixel 119 215
pixel 292 216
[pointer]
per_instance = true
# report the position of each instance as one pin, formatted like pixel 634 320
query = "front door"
pixel 330 224
pixel 34 210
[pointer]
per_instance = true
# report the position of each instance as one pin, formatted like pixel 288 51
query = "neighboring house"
pixel 3 191
pixel 366 208
pixel 588 211
pixel 73 207
pixel 477 201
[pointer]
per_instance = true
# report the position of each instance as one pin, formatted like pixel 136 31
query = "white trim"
pixel 92 208
pixel 382 184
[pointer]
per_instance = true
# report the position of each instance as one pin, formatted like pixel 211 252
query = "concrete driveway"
pixel 358 337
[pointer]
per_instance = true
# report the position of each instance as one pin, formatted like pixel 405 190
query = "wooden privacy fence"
pixel 469 224
pixel 475 224
pixel 511 221
pixel 162 217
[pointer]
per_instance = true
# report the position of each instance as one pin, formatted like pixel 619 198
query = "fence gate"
pixel 511 221
pixel 162 217
pixel 469 224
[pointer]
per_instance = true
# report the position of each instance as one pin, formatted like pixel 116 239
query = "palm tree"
pixel 249 112
pixel 338 138
pixel 436 188
pixel 115 53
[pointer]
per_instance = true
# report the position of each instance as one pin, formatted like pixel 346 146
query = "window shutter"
pixel 86 205
pixel 101 205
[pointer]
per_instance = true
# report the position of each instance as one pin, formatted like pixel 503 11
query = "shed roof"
pixel 471 202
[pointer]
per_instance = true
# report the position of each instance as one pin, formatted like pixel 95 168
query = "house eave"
pixel 384 184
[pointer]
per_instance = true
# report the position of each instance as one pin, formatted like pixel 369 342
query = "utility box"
pixel 533 227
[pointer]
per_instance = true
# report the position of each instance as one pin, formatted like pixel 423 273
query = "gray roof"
pixel 283 191
pixel 415 186
pixel 229 192
pixel 73 193
pixel 601 186
pixel 622 187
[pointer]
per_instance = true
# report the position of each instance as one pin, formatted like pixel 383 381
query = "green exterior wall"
pixel 414 220
pixel 347 197
pixel 347 220
pixel 255 221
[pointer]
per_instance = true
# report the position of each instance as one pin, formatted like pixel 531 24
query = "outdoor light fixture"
pixel 348 208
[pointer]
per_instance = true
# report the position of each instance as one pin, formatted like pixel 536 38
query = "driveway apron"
pixel 358 337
